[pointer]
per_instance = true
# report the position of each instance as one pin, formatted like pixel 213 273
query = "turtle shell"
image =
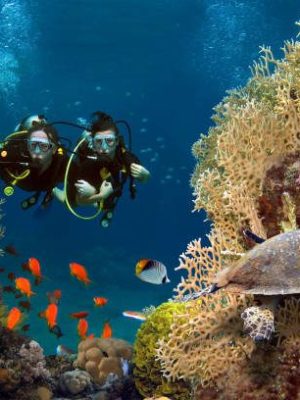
pixel 270 268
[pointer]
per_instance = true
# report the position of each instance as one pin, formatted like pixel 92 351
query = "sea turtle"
pixel 267 271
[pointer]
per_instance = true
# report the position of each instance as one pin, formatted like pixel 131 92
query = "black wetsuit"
pixel 94 170
pixel 15 160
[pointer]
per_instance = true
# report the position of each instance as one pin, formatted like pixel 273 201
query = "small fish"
pixel 25 328
pixel 106 331
pixel 79 272
pixel 82 328
pixel 151 271
pixel 25 304
pixel 34 267
pixel 80 314
pixel 13 318
pixel 2 269
pixel 64 351
pixel 54 297
pixel 100 301
pixel 135 315
pixel 18 295
pixel 11 276
pixel 50 314
pixel 56 331
pixel 9 289
pixel 24 286
pixel 11 250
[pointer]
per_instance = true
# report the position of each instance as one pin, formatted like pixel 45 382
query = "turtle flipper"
pixel 258 322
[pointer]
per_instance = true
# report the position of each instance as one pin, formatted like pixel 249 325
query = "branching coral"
pixel 257 128
pixel 206 339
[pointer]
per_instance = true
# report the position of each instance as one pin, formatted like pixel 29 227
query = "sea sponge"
pixel 103 357
pixel 147 370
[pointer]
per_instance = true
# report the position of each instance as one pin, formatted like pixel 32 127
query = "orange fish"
pixel 107 331
pixel 100 301
pixel 82 328
pixel 50 314
pixel 13 318
pixel 24 286
pixel 80 314
pixel 34 267
pixel 55 296
pixel 79 272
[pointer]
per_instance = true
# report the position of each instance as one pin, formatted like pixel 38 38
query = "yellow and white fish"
pixel 152 271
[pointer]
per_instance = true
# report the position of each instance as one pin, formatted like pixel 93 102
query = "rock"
pixel 74 382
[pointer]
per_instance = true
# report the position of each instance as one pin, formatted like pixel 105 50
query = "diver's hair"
pixel 102 122
pixel 50 131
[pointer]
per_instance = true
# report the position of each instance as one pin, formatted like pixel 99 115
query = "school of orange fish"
pixel 147 270
pixel 21 286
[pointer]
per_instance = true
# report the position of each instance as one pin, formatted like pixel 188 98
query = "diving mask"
pixel 104 142
pixel 39 145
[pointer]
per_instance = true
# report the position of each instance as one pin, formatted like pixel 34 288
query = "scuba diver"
pixel 102 166
pixel 33 160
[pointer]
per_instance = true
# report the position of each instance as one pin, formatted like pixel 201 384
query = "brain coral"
pixel 147 370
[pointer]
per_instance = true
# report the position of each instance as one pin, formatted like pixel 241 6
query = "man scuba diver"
pixel 102 166
pixel 33 160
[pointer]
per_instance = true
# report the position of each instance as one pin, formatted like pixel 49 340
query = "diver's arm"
pixel 87 194
pixel 139 172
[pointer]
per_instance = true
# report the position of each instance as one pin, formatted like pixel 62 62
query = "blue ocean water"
pixel 161 65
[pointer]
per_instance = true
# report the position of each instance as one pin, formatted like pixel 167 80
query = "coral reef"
pixel 247 177
pixel 103 357
pixel 26 374
pixel 147 370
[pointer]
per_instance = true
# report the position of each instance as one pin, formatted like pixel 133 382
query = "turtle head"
pixel 222 278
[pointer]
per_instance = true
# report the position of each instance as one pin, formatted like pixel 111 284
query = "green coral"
pixel 147 370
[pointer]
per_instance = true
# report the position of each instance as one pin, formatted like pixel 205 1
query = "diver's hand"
pixel 106 190
pixel 84 189
pixel 139 172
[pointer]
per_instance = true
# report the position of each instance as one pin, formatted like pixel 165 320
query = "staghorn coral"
pixel 147 370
